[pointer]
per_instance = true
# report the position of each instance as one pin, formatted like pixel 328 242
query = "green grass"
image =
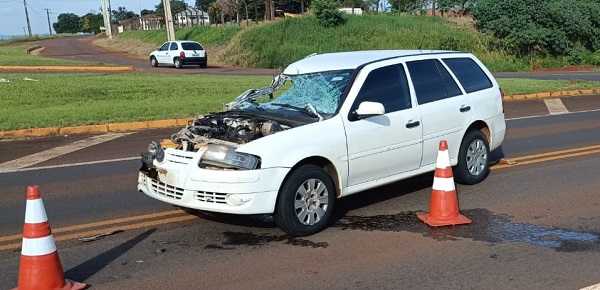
pixel 58 100
pixel 529 86
pixel 17 55
pixel 83 99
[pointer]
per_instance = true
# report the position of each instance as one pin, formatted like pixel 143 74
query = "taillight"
pixel 182 55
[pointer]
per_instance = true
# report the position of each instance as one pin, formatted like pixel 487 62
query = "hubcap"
pixel 310 202
pixel 476 157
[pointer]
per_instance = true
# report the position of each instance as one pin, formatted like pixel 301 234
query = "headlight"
pixel 226 157
pixel 156 151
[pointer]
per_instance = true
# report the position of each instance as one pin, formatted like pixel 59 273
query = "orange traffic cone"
pixel 443 206
pixel 40 266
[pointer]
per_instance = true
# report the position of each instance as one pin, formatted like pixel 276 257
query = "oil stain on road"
pixel 486 227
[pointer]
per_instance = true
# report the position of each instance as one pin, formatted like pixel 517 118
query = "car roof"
pixel 349 60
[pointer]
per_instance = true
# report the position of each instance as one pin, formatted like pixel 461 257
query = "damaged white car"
pixel 329 126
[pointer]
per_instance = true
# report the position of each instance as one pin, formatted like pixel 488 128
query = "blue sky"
pixel 14 22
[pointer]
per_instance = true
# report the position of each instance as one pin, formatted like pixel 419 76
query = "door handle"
pixel 412 124
pixel 465 109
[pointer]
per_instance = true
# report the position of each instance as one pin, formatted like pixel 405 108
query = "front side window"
pixel 388 86
pixel 469 74
pixel 164 47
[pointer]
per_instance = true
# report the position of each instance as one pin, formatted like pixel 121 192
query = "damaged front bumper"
pixel 179 180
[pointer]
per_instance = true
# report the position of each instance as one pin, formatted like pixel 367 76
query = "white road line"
pixel 593 287
pixel 555 106
pixel 70 164
pixel 23 162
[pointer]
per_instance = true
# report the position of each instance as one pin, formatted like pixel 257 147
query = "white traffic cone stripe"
pixel 443 159
pixel 443 184
pixel 35 212
pixel 38 246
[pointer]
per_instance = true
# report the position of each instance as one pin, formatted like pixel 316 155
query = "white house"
pixel 191 17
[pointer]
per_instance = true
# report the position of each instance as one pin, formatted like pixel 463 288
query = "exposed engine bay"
pixel 224 128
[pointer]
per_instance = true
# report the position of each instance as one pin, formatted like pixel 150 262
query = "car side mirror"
pixel 368 109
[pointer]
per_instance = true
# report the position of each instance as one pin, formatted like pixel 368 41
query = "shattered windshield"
pixel 315 93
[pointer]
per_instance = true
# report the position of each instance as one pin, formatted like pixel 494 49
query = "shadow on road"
pixel 92 266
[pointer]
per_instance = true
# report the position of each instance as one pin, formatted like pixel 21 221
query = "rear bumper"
pixel 194 60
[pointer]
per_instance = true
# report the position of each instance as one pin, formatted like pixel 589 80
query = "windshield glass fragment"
pixel 315 93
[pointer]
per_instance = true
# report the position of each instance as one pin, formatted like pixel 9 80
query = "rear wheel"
pixel 153 61
pixel 177 62
pixel 473 159
pixel 305 202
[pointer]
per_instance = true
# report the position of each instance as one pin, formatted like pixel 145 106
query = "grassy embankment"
pixel 79 99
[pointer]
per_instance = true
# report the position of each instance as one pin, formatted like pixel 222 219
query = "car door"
pixel 444 108
pixel 385 145
pixel 173 52
pixel 163 51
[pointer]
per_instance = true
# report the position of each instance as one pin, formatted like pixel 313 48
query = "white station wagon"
pixel 329 126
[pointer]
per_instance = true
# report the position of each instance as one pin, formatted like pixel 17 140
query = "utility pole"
pixel 48 15
pixel 169 20
pixel 106 16
pixel 27 16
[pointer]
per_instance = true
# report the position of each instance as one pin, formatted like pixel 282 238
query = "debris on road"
pixel 99 236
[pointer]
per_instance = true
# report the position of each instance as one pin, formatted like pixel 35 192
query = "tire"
pixel 203 65
pixel 300 213
pixel 177 62
pixel 153 61
pixel 473 159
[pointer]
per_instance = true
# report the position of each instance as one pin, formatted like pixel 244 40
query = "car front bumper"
pixel 235 192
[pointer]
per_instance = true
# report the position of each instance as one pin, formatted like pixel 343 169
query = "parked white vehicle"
pixel 179 53
pixel 329 126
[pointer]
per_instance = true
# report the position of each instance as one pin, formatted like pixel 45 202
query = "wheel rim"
pixel 311 201
pixel 477 157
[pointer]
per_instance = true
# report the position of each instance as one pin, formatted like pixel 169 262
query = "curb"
pixel 160 124
pixel 546 95
pixel 66 68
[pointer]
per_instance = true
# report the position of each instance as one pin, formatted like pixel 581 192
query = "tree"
pixel 327 12
pixel 67 23
pixel 204 4
pixel 146 12
pixel 122 14
pixel 91 23
pixel 176 7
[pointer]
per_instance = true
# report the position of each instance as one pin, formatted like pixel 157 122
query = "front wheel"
pixel 153 61
pixel 305 202
pixel 473 159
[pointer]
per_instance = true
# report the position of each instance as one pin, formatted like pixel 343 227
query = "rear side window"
pixel 430 78
pixel 387 85
pixel 173 46
pixel 469 74
pixel 191 46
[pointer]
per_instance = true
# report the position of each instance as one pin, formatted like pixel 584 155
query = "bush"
pixel 327 12
pixel 568 28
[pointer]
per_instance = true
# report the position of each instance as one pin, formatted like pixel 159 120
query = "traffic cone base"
pixel 436 222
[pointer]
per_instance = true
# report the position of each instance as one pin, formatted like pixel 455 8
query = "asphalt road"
pixel 81 48
pixel 536 224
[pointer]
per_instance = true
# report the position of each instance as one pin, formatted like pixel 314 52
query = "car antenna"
pixel 421 44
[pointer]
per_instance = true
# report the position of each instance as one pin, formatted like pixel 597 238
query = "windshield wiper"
pixel 309 110
pixel 304 110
